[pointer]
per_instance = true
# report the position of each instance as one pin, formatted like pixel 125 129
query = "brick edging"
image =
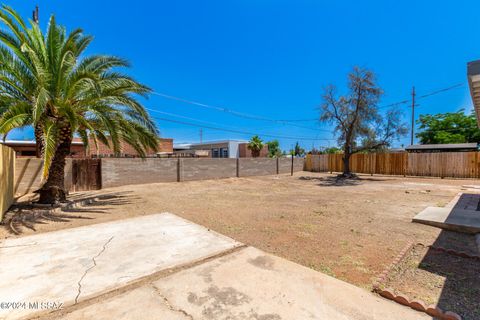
pixel 462 254
pixel 416 304
pixel 383 276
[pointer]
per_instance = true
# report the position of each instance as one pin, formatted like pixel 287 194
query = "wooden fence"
pixel 7 168
pixel 447 164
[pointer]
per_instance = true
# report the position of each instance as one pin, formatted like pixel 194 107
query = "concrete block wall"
pixel 256 167
pixel 285 165
pixel 126 171
pixel 203 169
pixel 28 175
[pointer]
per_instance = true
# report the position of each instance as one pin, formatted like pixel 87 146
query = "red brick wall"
pixel 244 152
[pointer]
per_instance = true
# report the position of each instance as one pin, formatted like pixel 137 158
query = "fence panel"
pixel 317 163
pixel 7 168
pixel 86 174
pixel 446 164
pixel 391 163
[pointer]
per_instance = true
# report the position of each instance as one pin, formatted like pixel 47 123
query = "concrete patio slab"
pixel 460 220
pixel 70 265
pixel 461 214
pixel 248 284
pixel 139 304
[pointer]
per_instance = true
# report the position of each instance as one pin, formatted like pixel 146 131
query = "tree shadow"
pixel 461 274
pixel 336 181
pixel 28 215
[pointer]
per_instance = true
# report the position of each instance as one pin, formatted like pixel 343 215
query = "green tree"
pixel 274 149
pixel 332 150
pixel 451 127
pixel 298 151
pixel 255 146
pixel 47 81
pixel 357 121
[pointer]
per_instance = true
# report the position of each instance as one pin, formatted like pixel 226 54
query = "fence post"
pixel 278 169
pixel 292 167
pixel 238 167
pixel 180 170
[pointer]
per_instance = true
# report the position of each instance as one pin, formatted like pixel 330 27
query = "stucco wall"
pixel 7 170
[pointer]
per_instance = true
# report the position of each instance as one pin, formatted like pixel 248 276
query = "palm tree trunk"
pixel 38 141
pixel 53 190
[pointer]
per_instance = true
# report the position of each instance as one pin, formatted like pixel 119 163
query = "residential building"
pixel 219 149
pixel 451 147
pixel 473 75
pixel 165 147
pixel 28 149
pixel 244 152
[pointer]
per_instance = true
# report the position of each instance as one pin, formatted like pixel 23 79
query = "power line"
pixel 198 120
pixel 241 131
pixel 455 86
pixel 235 113
pixel 289 121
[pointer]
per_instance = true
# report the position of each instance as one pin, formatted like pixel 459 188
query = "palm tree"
pixel 47 81
pixel 255 145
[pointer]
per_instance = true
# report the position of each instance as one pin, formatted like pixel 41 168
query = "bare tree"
pixel 358 123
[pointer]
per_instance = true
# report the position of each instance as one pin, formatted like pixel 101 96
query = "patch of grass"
pixel 323 269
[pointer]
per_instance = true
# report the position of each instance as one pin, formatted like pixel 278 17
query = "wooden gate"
pixel 86 174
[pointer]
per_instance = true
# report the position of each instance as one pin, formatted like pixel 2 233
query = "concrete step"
pixel 460 220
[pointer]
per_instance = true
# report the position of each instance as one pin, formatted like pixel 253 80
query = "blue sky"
pixel 272 58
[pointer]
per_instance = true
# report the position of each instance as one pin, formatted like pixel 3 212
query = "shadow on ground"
pixel 461 287
pixel 335 181
pixel 27 215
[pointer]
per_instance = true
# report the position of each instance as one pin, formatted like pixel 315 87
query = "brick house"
pixel 28 149
pixel 244 152
pixel 165 146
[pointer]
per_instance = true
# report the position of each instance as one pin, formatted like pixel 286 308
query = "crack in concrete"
pixel 20 245
pixel 169 305
pixel 90 268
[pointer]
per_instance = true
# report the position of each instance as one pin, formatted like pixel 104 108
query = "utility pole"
pixel 201 135
pixel 413 116
pixel 35 15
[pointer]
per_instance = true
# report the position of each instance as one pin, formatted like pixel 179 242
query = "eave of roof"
pixel 443 146
pixel 473 74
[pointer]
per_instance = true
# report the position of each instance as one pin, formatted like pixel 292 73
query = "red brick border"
pixel 462 254
pixel 403 299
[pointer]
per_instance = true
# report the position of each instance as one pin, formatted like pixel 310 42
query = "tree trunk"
pixel 38 141
pixel 347 174
pixel 53 191
pixel 346 164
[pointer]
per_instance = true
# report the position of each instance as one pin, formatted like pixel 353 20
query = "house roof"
pixel 31 142
pixel 473 74
pixel 449 146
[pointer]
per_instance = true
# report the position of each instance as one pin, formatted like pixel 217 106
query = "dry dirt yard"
pixel 350 231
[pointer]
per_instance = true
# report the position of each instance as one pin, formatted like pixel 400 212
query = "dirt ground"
pixel 440 278
pixel 350 231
